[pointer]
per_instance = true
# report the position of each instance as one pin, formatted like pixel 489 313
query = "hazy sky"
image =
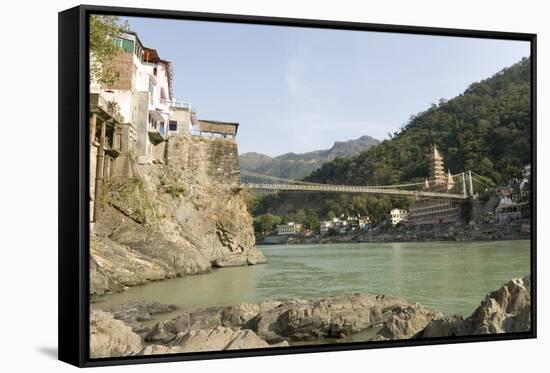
pixel 297 89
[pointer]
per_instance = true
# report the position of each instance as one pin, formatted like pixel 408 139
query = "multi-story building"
pixel 132 120
pixel 144 97
pixel 289 228
pixel 397 216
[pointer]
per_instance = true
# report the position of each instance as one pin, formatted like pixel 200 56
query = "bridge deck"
pixel 352 189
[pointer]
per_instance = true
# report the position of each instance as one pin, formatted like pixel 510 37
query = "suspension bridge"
pixel 457 187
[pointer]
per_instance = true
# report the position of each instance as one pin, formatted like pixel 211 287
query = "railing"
pixel 350 189
pixel 176 104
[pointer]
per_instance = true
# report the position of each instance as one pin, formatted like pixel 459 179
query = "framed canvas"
pixel 233 186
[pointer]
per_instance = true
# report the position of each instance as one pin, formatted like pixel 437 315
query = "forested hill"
pixel 486 129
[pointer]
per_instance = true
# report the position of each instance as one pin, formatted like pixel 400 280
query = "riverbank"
pixel 515 230
pixel 284 322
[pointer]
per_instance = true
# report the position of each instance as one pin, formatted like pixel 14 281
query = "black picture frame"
pixel 73 182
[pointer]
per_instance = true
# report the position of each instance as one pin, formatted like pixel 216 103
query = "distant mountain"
pixel 298 166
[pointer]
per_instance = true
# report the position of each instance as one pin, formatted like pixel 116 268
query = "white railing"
pixel 176 104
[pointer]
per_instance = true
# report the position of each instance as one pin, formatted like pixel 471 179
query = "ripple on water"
pixel 452 277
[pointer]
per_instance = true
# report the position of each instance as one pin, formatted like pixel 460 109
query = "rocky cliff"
pixel 172 219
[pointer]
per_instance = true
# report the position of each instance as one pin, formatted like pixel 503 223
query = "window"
pixel 173 125
pixel 127 45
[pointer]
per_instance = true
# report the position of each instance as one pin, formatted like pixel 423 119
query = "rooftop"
pixel 215 126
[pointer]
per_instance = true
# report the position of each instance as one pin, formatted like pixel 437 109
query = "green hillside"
pixel 486 129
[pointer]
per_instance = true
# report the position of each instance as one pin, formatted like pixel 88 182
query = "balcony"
pixel 176 104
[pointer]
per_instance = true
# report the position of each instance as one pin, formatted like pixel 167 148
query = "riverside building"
pixel 289 228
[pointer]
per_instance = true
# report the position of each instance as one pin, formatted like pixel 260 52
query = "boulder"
pixel 405 322
pixel 110 337
pixel 132 313
pixel 506 310
pixel 217 339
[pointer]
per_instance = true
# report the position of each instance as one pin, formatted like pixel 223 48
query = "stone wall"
pixel 213 158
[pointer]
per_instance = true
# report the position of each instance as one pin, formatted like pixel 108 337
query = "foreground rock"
pixel 133 313
pixel 507 310
pixel 407 321
pixel 110 337
pixel 294 319
pixel 217 339
pixel 276 323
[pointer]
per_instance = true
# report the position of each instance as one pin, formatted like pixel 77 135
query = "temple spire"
pixel 437 171
pixel 450 181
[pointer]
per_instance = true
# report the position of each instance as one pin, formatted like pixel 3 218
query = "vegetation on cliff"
pixel 102 29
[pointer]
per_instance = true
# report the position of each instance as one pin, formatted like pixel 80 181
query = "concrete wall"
pixel 212 158
pixel 183 117
pixel 141 112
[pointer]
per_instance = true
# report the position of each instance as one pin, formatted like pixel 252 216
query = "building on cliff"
pixel 144 96
pixel 432 211
pixel 133 119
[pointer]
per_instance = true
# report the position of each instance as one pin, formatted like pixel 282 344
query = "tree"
pixel 311 221
pixel 103 51
pixel 266 224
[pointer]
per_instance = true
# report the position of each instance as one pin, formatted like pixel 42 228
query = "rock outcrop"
pixel 280 322
pixel 170 220
pixel 506 310
pixel 293 320
pixel 407 321
pixel 110 337
pixel 133 313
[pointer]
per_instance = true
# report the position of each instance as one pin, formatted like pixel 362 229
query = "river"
pixel 452 277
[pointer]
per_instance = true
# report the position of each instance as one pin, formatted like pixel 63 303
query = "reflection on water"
pixel 450 277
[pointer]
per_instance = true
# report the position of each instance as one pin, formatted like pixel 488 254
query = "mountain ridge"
pixel 299 165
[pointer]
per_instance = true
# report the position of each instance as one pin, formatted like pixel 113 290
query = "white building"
pixel 289 228
pixel 144 95
pixel 324 226
pixel 508 210
pixel 397 216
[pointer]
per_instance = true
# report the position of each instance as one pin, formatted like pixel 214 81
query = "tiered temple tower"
pixel 437 172
pixel 435 211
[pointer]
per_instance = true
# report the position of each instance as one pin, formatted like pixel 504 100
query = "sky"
pixel 297 89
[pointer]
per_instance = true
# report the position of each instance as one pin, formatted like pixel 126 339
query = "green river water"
pixel 452 277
